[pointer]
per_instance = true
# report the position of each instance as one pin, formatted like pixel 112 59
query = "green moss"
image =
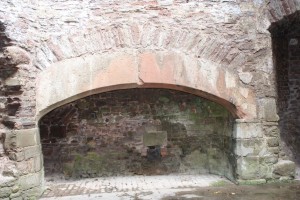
pixel 219 183
pixel 68 169
pixel 96 164
pixel 93 156
pixel 252 182
pixel 154 138
pixel 217 110
pixel 117 155
pixel 91 144
pixel 282 181
pixel 92 163
pixel 163 99
pixel 83 104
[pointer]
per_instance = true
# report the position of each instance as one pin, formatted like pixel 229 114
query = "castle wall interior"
pixel 104 88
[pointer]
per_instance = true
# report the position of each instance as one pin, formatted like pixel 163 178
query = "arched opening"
pixel 94 74
pixel 286 49
pixel 138 131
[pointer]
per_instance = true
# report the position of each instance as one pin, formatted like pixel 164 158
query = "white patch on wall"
pixel 244 92
pixel 257 2
pixel 165 2
pixel 210 71
pixel 293 42
pixel 190 70
pixel 246 77
pixel 229 80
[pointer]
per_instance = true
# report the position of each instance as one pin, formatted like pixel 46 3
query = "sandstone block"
pixel 248 168
pixel 10 170
pixel 25 167
pixel 273 142
pixel 269 159
pixel 268 110
pixel 30 180
pixel 245 77
pixel 265 171
pixel 284 168
pixel 244 130
pixel 274 150
pixel 249 147
pixel 271 131
pixel 7 181
pixel 21 138
pixel 32 151
pixel 266 166
pixel 27 137
pixel 33 192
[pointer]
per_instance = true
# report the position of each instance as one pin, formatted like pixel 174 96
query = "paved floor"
pixel 132 187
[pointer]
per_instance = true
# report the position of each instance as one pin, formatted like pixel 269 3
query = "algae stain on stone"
pixel 220 183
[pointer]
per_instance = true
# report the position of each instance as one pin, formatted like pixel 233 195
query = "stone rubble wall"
pixel 109 134
pixel 230 34
pixel 21 164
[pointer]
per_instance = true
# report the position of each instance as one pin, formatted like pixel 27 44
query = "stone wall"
pixel 227 35
pixel 21 168
pixel 138 132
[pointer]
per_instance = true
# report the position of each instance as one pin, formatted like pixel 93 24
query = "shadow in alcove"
pixel 7 66
pixel 286 50
pixel 138 132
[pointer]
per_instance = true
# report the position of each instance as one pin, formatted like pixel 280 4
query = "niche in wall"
pixel 137 132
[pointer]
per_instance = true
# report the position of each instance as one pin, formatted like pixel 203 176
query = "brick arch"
pixel 221 49
pixel 83 76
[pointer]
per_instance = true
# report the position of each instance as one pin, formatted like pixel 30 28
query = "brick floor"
pixel 122 186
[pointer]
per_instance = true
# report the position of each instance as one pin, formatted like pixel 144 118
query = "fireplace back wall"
pixel 137 131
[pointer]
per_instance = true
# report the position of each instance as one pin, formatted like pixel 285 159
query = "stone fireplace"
pixel 138 132
pixel 147 87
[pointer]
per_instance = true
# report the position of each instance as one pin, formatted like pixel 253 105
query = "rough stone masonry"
pixel 242 55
